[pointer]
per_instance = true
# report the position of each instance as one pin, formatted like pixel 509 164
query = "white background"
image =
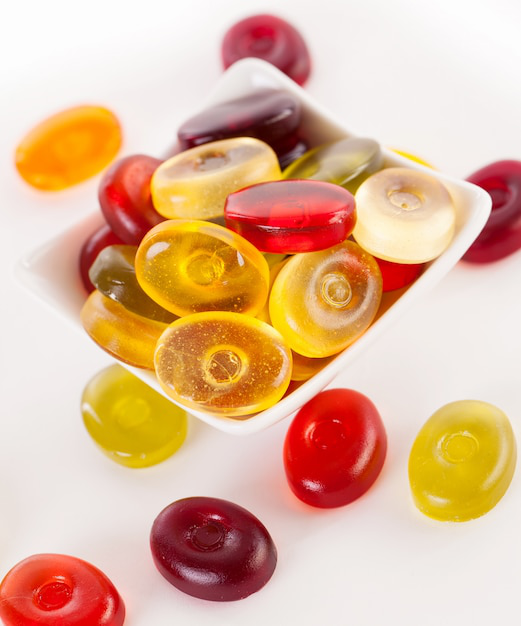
pixel 441 80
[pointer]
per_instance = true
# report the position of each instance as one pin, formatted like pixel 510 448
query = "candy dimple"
pixel 462 461
pixel 291 216
pixel 68 147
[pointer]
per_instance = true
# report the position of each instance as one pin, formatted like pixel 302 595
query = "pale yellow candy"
pixel 195 183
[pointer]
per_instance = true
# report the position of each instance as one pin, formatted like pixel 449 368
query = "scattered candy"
pixel 68 147
pixel 133 424
pixel 212 549
pixel 93 245
pixel 462 461
pixel 289 216
pixel 269 38
pixel 335 448
pixel 56 589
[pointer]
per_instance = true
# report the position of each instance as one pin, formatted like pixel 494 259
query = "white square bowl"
pixel 51 271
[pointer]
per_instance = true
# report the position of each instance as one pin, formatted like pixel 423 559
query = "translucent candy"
pixel 133 424
pixel 188 266
pixel 289 216
pixel 321 302
pixel 462 461
pixel 347 162
pixel 92 246
pixel 398 275
pixel 194 183
pixel 68 147
pixel 305 367
pixel 404 216
pixel 126 336
pixel 223 363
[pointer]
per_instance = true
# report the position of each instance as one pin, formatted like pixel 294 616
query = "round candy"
pixel 55 589
pixel 194 184
pixel 68 147
pixel 269 38
pixel 321 302
pixel 398 275
pixel 304 367
pixel 188 266
pixel 93 245
pixel 404 216
pixel 335 448
pixel 347 162
pixel 223 363
pixel 125 200
pixel 462 461
pixel 289 216
pixel 501 235
pixel 133 424
pixel 212 549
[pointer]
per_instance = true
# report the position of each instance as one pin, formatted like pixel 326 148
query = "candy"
pixel 126 336
pixel 398 275
pixel 291 216
pixel 346 162
pixel 212 549
pixel 305 367
pixel 223 363
pixel 125 200
pixel 321 302
pixel 188 266
pixel 335 448
pixel 129 421
pixel 68 147
pixel 93 245
pixel 462 461
pixel 269 38
pixel 501 235
pixel 52 589
pixel 194 183
pixel 271 115
pixel 404 216
pixel 114 275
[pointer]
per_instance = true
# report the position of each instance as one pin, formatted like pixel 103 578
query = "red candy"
pixel 269 38
pixel 290 216
pixel 93 245
pixel 212 549
pixel 124 196
pixel 398 275
pixel 501 235
pixel 335 448
pixel 55 589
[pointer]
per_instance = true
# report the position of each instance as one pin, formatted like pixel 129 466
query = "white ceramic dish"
pixel 51 274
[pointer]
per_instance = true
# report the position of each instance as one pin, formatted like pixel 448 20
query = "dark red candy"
pixel 93 245
pixel 212 549
pixel 125 200
pixel 335 448
pixel 398 275
pixel 289 216
pixel 501 235
pixel 269 38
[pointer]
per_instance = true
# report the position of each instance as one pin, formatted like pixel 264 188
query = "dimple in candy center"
pixel 459 447
pixel 208 537
pixel 328 434
pixel 204 268
pixel 52 595
pixel 131 412
pixel 223 367
pixel 336 290
pixel 210 161
pixel 405 200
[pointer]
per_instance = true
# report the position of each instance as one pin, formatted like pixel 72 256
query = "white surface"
pixel 440 80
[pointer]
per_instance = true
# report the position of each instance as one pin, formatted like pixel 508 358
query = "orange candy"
pixel 68 147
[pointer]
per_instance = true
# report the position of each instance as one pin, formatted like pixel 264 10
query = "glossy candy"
pixel 305 367
pixel 188 266
pixel 68 147
pixel 289 216
pixel 129 337
pixel 404 216
pixel 92 246
pixel 194 183
pixel 335 448
pixel 212 549
pixel 125 200
pixel 269 38
pixel 56 589
pixel 462 461
pixel 129 421
pixel 271 115
pixel 223 363
pixel 346 162
pixel 321 302
pixel 398 275
pixel 114 275
pixel 501 235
